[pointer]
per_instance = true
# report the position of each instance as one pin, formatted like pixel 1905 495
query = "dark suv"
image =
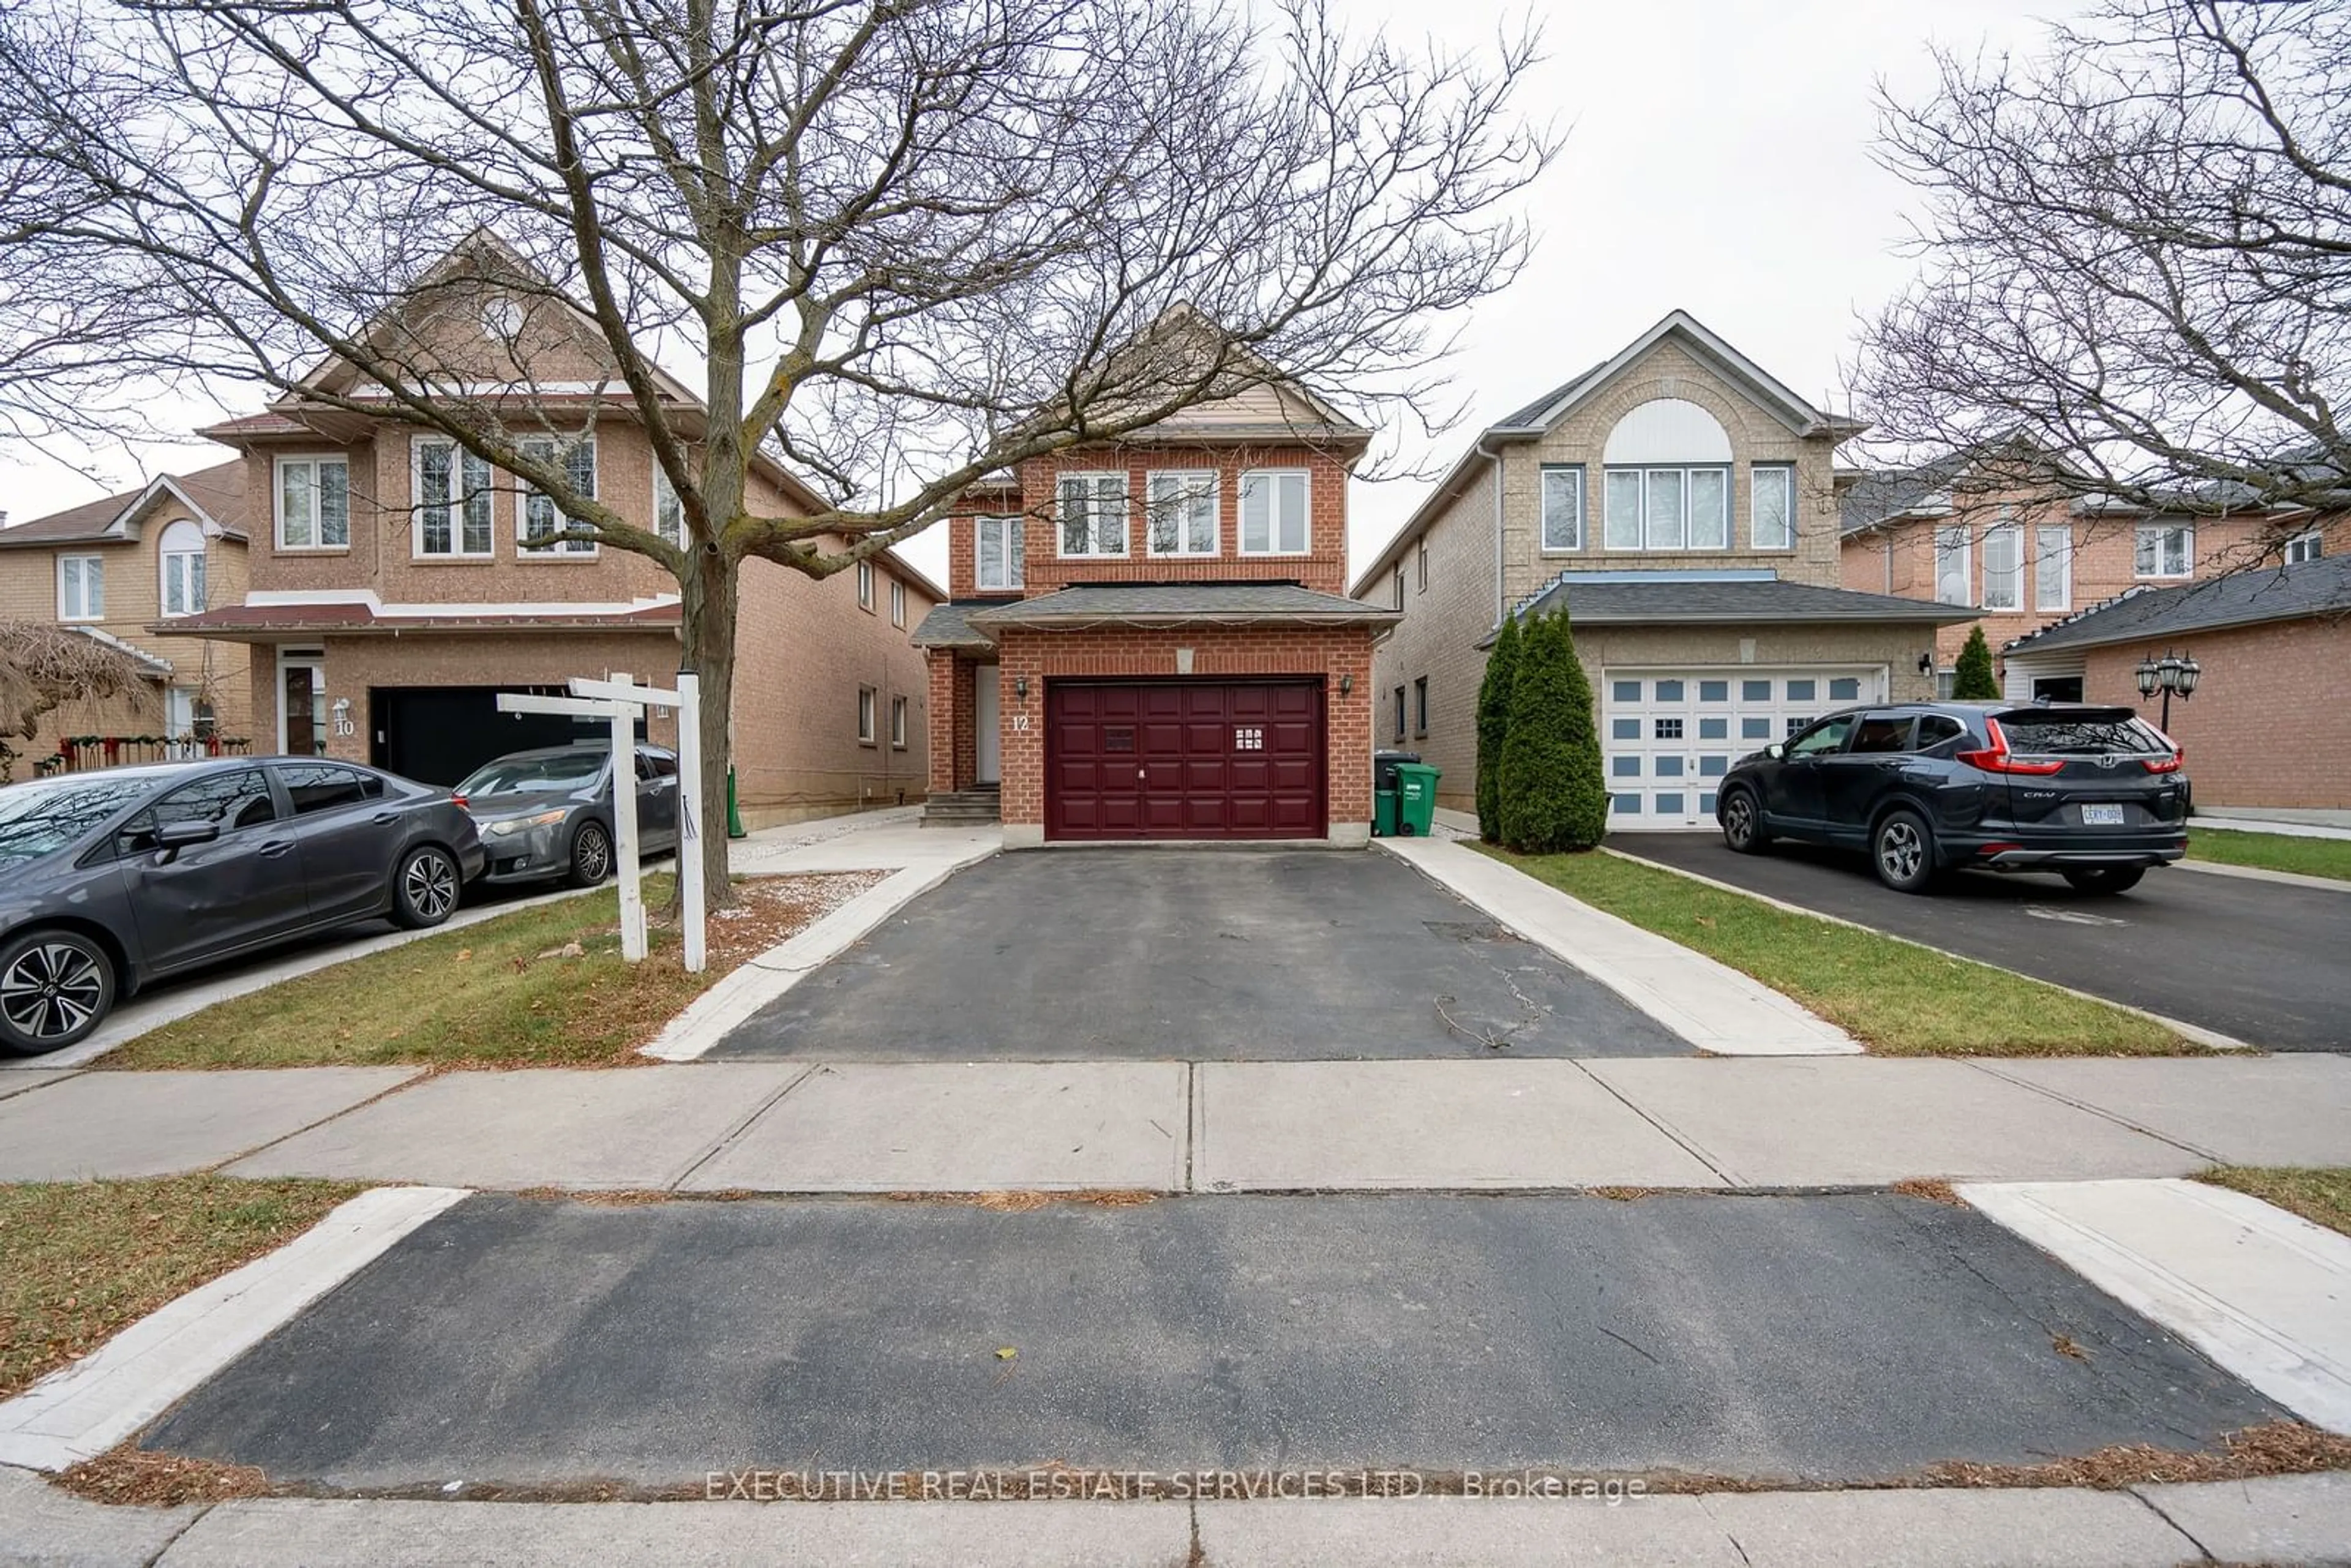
pixel 2092 793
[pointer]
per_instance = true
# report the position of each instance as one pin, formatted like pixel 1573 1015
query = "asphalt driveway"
pixel 2262 961
pixel 1194 954
pixel 1836 1338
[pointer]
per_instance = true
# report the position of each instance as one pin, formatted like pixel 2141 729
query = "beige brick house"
pixel 390 597
pixel 1679 504
pixel 137 570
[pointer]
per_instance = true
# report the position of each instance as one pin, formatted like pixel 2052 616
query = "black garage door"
pixel 437 735
pixel 1184 759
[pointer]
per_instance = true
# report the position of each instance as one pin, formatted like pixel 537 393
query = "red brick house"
pixel 1152 640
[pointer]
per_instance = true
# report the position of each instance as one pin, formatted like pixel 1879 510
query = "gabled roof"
pixel 213 497
pixel 2297 592
pixel 1723 598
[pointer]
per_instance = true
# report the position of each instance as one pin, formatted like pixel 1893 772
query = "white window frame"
pixel 461 497
pixel 868 700
pixel 1785 475
pixel 550 449
pixel 1193 486
pixel 2306 546
pixel 865 586
pixel 2052 544
pixel 1265 484
pixel 1421 557
pixel 1646 477
pixel 1096 490
pixel 187 566
pixel 2163 534
pixel 2012 534
pixel 1399 585
pixel 315 462
pixel 897 602
pixel 672 528
pixel 1010 539
pixel 1949 538
pixel 90 573
pixel 1560 481
pixel 898 723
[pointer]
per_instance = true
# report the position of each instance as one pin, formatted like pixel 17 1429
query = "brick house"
pixel 390 598
pixel 2269 724
pixel 2020 560
pixel 136 570
pixel 1679 503
pixel 1149 639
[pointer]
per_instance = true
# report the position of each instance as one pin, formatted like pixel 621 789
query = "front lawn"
pixel 2272 852
pixel 1896 998
pixel 80 1261
pixel 543 987
pixel 2321 1195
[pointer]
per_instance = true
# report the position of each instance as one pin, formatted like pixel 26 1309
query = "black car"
pixel 548 813
pixel 111 881
pixel 2092 793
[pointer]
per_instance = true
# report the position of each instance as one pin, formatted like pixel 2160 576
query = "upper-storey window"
pixel 669 510
pixel 2003 566
pixel 2053 568
pixel 1773 516
pixel 1274 512
pixel 1093 514
pixel 2166 551
pixel 314 503
pixel 539 516
pixel 2304 547
pixel 454 497
pixel 81 588
pixel 1954 566
pixel 1182 514
pixel 1562 507
pixel 181 551
pixel 1668 479
pixel 995 552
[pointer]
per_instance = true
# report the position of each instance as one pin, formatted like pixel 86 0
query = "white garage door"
pixel 1669 734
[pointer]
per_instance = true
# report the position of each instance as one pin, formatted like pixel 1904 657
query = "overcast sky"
pixel 1718 162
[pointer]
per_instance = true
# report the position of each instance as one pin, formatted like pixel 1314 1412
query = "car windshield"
pixel 39 819
pixel 2060 734
pixel 548 771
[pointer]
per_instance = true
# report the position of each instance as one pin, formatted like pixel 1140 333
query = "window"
pixel 2053 568
pixel 323 785
pixel 1827 736
pixel 995 552
pixel 1422 553
pixel 1666 729
pixel 1954 572
pixel 181 551
pixel 1563 508
pixel 1399 712
pixel 453 501
pixel 898 723
pixel 1273 512
pixel 2302 547
pixel 1399 588
pixel 1093 514
pixel 1844 689
pixel 897 602
pixel 81 588
pixel 1773 525
pixel 539 516
pixel 865 586
pixel 1183 514
pixel 1946 683
pixel 2166 551
pixel 2003 568
pixel 314 503
pixel 1668 509
pixel 1936 729
pixel 1420 706
pixel 865 697
pixel 669 512
pixel 230 801
pixel 1882 732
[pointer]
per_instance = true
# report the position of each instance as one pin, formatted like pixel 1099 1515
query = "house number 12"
pixel 1020 722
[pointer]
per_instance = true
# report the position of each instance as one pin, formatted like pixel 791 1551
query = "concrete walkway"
pixel 2295 823
pixel 1172 1126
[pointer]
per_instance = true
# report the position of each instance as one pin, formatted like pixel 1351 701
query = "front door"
pixel 301 709
pixel 988 720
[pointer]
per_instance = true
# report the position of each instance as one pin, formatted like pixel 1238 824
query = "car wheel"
pixel 425 888
pixel 1742 823
pixel 2105 878
pixel 54 987
pixel 591 855
pixel 1903 851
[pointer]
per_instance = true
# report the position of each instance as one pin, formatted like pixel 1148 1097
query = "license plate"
pixel 2102 815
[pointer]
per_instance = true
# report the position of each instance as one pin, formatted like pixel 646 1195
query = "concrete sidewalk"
pixel 1209 1126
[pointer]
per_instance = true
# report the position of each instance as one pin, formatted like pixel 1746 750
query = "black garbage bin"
pixel 1383 790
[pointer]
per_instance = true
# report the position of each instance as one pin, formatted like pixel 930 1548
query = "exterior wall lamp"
pixel 1020 687
pixel 2172 672
pixel 1347 685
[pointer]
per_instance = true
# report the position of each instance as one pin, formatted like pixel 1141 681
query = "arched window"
pixel 1668 479
pixel 182 549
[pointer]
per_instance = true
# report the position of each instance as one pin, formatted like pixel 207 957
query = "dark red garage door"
pixel 1184 759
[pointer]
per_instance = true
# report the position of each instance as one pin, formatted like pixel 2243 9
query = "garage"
pixel 437 735
pixel 1669 734
pixel 1185 759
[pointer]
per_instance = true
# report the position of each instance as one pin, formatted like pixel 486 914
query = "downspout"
pixel 1502 601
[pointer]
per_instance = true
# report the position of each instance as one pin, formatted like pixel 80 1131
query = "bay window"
pixel 1093 514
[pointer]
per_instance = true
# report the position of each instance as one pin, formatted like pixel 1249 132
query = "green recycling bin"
pixel 1415 797
pixel 1383 812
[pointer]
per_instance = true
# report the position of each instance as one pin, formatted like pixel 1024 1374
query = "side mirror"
pixel 181 835
pixel 1776 752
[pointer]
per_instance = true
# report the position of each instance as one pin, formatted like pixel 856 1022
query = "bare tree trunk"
pixel 712 598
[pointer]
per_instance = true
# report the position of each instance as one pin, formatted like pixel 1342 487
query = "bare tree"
pixel 42 667
pixel 905 242
pixel 2137 262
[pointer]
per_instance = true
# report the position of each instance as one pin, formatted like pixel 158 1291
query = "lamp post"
pixel 2172 672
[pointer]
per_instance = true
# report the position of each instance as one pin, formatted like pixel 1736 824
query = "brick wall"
pixel 1333 653
pixel 2268 724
